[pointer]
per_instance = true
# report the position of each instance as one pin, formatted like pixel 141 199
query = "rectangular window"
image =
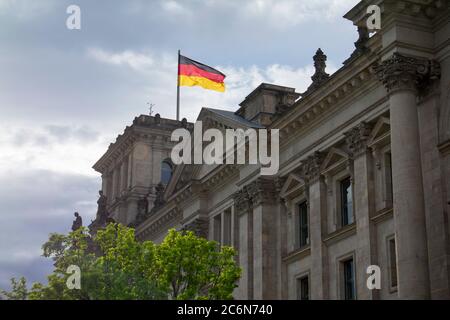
pixel 303 288
pixel 218 228
pixel 346 202
pixel 392 263
pixel 303 224
pixel 349 279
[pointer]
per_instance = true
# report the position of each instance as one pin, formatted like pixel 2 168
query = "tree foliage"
pixel 183 266
pixel 18 291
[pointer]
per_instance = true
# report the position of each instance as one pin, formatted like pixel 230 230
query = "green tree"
pixel 189 267
pixel 183 266
pixel 18 291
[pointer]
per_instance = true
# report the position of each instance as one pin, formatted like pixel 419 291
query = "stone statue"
pixel 159 201
pixel 77 223
pixel 157 118
pixel 102 215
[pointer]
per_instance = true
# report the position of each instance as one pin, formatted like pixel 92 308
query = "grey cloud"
pixel 50 134
pixel 64 133
pixel 34 204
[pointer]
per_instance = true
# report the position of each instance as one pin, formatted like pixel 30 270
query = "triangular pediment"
pixel 334 159
pixel 381 132
pixel 294 183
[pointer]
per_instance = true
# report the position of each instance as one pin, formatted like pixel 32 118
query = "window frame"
pixel 298 280
pixel 351 216
pixel 390 258
pixel 342 285
pixel 299 225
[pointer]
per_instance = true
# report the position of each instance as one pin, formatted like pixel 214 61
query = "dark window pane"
pixel 349 280
pixel 304 288
pixel 303 224
pixel 393 263
pixel 346 202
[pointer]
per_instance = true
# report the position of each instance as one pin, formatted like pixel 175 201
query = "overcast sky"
pixel 66 94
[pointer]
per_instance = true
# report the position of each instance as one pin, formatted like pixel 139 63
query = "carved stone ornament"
pixel 402 72
pixel 261 191
pixel 242 201
pixel 357 138
pixel 310 170
pixel 320 76
pixel 360 44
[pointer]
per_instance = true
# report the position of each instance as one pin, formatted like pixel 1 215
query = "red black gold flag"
pixel 193 73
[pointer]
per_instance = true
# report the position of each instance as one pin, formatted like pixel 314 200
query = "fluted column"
pixel 404 77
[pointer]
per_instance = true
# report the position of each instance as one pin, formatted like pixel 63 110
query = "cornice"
pixel 306 112
pixel 158 222
pixel 152 130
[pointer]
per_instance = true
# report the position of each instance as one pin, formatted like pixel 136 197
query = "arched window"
pixel 166 171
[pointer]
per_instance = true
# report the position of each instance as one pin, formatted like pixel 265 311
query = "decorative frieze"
pixel 357 138
pixel 407 73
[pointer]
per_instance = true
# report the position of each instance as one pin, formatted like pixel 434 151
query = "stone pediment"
pixel 293 185
pixel 335 159
pixel 381 133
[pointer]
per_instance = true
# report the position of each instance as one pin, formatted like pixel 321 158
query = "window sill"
pixel 298 254
pixel 340 234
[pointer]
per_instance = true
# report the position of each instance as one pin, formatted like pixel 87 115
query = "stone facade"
pixel 364 172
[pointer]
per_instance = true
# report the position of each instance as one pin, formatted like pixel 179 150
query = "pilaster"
pixel 363 186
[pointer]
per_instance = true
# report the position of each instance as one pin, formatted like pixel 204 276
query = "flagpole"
pixel 178 87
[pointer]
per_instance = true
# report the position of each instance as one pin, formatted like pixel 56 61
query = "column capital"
pixel 357 138
pixel 261 190
pixel 311 166
pixel 400 72
pixel 242 201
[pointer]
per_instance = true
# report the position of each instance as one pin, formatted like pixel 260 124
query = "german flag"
pixel 193 73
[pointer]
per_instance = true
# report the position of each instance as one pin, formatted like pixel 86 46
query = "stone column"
pixel 265 271
pixel 244 213
pixel 317 202
pixel 114 186
pixel 404 77
pixel 363 188
pixel 282 247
